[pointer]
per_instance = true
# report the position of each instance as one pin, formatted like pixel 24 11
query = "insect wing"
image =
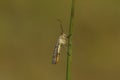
pixel 56 54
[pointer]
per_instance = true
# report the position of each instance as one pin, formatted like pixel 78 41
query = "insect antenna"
pixel 61 26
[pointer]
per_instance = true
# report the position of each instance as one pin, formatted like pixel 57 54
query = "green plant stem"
pixel 69 50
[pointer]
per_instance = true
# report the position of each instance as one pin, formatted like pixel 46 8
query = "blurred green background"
pixel 29 30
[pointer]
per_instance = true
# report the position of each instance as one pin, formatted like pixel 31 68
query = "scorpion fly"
pixel 62 39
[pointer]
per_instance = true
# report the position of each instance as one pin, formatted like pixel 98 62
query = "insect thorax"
pixel 62 39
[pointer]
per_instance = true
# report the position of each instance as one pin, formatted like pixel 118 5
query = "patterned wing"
pixel 56 53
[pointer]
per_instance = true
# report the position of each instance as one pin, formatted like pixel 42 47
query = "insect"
pixel 62 39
